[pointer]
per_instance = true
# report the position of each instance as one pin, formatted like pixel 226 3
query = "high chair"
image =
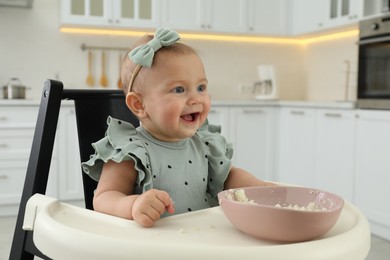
pixel 49 228
pixel 92 108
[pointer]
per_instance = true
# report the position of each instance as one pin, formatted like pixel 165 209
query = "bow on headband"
pixel 143 55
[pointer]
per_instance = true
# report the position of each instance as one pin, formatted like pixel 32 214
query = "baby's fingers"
pixel 167 202
pixel 149 207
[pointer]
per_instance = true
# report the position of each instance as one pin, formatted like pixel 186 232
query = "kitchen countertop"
pixel 274 103
pixel 287 103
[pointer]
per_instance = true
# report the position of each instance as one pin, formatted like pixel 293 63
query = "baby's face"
pixel 175 96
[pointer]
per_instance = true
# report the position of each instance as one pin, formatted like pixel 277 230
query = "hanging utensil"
pixel 90 79
pixel 119 83
pixel 103 78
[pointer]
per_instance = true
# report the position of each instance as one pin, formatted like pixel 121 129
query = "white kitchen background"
pixel 33 49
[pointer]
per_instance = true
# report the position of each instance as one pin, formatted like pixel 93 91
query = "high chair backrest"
pixel 92 107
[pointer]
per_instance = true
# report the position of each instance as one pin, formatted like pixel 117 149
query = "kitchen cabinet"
pixel 205 15
pixel 297 145
pixel 268 17
pixel 69 178
pixel 17 124
pixel 252 17
pixel 316 15
pixel 219 115
pixel 343 12
pixel 252 134
pixel 373 169
pixel 16 132
pixel 308 16
pixel 106 13
pixel 334 153
pixel 251 131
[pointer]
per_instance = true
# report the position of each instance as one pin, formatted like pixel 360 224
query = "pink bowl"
pixel 263 220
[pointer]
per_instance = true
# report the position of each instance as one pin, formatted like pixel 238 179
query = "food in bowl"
pixel 281 213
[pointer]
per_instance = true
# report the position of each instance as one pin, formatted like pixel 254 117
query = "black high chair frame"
pixel 92 108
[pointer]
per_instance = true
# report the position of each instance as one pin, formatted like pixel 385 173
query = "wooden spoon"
pixel 103 78
pixel 119 83
pixel 90 79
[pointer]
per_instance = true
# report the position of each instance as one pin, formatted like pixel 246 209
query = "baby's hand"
pixel 150 205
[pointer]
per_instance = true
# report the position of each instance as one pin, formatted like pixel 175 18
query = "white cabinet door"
pixel 252 135
pixel 268 17
pixel 219 115
pixel 316 15
pixel 335 144
pixel 342 12
pixel 69 166
pixel 297 140
pixel 16 134
pixel 136 13
pixel 183 14
pixel 225 15
pixel 107 13
pixel 373 168
pixel 308 15
pixel 12 175
pixel 86 12
pixel 204 15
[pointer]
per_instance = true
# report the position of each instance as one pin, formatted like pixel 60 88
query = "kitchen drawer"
pixel 15 140
pixel 18 116
pixel 12 175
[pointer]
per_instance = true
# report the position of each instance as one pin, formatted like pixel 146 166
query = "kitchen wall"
pixel 330 69
pixel 33 49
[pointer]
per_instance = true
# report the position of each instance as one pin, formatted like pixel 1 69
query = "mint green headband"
pixel 143 55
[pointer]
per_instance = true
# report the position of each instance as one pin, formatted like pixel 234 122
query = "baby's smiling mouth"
pixel 190 117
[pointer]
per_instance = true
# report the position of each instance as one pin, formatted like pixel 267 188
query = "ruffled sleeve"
pixel 219 155
pixel 120 143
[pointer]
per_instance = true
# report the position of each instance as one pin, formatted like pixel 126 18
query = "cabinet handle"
pixel 296 112
pixel 212 111
pixel 253 111
pixel 3 118
pixel 3 145
pixel 332 114
pixel 3 177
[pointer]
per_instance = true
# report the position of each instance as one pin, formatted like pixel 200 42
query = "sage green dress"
pixel 192 170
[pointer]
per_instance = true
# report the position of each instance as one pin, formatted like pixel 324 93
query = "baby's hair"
pixel 128 67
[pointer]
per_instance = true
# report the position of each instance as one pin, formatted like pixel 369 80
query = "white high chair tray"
pixel 63 231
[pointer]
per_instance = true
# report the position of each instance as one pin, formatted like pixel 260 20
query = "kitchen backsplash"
pixel 33 49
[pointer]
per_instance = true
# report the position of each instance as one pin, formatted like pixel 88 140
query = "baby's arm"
pixel 239 178
pixel 114 195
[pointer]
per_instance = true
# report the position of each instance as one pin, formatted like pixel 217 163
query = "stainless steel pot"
pixel 14 89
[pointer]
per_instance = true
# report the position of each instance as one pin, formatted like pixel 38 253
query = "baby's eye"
pixel 179 89
pixel 201 88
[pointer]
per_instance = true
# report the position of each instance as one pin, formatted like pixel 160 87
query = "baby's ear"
pixel 135 103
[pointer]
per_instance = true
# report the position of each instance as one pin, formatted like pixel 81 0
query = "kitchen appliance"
pixel 374 64
pixel 266 88
pixel 14 89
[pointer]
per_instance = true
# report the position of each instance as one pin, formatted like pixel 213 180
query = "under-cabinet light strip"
pixel 312 39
